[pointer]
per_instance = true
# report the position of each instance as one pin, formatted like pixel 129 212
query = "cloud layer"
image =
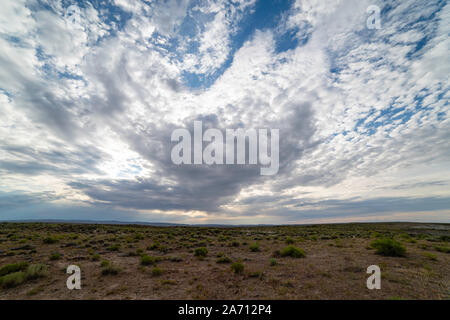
pixel 91 91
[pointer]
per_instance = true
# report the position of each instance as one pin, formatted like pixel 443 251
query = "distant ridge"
pixel 155 224
pixel 167 224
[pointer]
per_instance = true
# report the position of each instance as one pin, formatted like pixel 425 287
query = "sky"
pixel 90 92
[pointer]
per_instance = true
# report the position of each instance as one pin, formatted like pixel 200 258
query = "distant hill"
pixel 156 224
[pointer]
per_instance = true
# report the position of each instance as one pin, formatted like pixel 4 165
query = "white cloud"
pixel 364 113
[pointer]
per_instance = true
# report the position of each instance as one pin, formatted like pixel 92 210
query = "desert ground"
pixel 267 262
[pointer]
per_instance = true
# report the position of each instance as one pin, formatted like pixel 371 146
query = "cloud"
pixel 91 95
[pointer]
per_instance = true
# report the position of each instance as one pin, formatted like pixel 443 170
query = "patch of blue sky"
pixel 429 26
pixel 131 169
pixel 109 13
pixel 426 24
pixel 13 39
pixel 289 40
pixel 49 69
pixel 265 15
pixel 6 93
pixel 441 116
pixel 393 116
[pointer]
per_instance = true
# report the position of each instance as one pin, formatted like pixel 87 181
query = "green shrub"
pixel 175 259
pixel 55 256
pixel 50 240
pixel 13 279
pixel 254 247
pixel 291 251
pixel 35 271
pixel 114 247
pixel 95 257
pixel 147 260
pixel 430 256
pixel 256 274
pixel 105 263
pixel 201 252
pixel 154 246
pixel 223 259
pixel 235 244
pixel 132 254
pixel 156 271
pixel 13 267
pixel 163 249
pixel 237 267
pixel 35 291
pixel 273 262
pixel 108 268
pixel 442 249
pixel 289 240
pixel 389 247
pixel 138 236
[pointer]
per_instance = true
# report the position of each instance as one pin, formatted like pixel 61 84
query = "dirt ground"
pixel 337 257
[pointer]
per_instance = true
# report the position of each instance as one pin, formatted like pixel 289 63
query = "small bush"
pixel 154 246
pixel 55 256
pixel 254 247
pixel 156 272
pixel 95 257
pixel 108 268
pixel 201 252
pixel 35 291
pixel 175 259
pixel 114 247
pixel 132 254
pixel 35 271
pixel 13 279
pixel 138 236
pixel 256 274
pixel 163 249
pixel 235 244
pixel 442 249
pixel 147 260
pixel 289 240
pixel 273 262
pixel 111 270
pixel 50 240
pixel 389 247
pixel 13 267
pixel 223 259
pixel 430 256
pixel 105 263
pixel 291 251
pixel 237 267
